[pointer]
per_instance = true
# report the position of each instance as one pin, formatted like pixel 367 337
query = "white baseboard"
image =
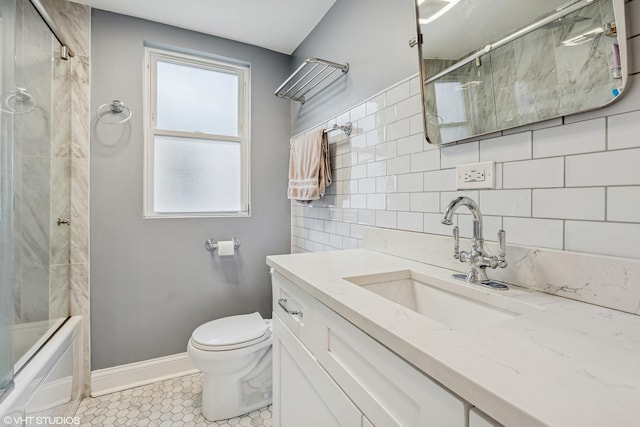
pixel 118 378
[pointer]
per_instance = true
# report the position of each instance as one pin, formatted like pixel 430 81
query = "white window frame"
pixel 152 55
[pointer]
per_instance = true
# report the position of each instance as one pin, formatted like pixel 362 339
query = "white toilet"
pixel 234 353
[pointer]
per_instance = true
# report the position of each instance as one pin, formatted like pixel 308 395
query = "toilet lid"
pixel 232 330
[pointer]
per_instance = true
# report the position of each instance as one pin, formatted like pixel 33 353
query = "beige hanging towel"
pixel 309 167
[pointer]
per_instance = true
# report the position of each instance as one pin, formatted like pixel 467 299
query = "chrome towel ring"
pixel 18 101
pixel 114 108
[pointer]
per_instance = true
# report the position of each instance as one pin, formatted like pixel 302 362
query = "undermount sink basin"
pixel 454 305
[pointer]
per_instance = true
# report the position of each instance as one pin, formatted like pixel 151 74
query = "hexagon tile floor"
pixel 172 403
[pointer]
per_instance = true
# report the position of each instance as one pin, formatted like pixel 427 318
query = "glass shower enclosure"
pixel 35 175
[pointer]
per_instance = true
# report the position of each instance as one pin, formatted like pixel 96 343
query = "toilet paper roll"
pixel 226 248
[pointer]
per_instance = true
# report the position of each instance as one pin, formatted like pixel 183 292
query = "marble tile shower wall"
pixel 570 183
pixel 74 20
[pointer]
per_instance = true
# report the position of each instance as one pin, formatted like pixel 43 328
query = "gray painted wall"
pixel 373 37
pixel 152 282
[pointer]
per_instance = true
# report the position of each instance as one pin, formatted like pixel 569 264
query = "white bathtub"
pixel 47 389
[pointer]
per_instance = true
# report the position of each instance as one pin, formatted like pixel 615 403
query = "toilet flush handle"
pixel 282 302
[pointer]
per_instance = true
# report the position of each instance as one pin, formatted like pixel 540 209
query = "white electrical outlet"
pixel 476 175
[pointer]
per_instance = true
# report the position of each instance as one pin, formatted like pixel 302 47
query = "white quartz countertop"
pixel 564 364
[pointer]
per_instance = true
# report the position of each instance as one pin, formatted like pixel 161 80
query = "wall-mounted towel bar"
pixel 346 128
pixel 308 77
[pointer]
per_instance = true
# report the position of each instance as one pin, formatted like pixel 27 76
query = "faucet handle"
pixel 456 242
pixel 502 249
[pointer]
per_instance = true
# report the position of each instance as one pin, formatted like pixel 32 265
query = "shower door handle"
pixel 63 221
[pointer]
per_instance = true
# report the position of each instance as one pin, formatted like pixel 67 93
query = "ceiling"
pixel 279 25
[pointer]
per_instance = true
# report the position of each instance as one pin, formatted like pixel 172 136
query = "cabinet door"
pixel 303 393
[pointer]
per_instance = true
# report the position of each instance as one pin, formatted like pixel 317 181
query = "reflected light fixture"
pixel 430 10
pixel 583 38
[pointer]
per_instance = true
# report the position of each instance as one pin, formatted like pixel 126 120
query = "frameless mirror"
pixel 489 65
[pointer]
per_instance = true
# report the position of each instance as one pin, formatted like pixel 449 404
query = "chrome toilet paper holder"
pixel 211 244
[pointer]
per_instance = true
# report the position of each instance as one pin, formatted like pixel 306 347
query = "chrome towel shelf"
pixel 309 76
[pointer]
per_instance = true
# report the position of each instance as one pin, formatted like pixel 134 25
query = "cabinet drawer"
pixel 388 390
pixel 295 308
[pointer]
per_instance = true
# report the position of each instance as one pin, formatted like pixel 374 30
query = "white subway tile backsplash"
pixel 323 238
pixel 506 148
pixel 416 126
pixel 350 215
pixel 398 93
pixel 386 219
pixel 424 161
pixel 385 116
pixel 410 182
pixel 415 85
pixel 454 155
pixel 603 169
pixel 399 129
pixel 398 201
pixel 623 130
pixel 534 173
pixel 608 238
pixel 386 151
pixel 376 201
pixel 377 168
pixel 409 145
pixel 506 202
pixel 569 203
pixel 580 137
pixel 365 124
pixel 358 171
pixel 366 185
pixel 409 107
pixel 411 221
pixel 546 233
pixel 568 183
pixel 366 217
pixel 359 141
pixel 623 204
pixel 442 180
pixel 386 184
pixel 330 227
pixel 358 201
pixel 335 241
pixel 399 165
pixel 375 137
pixel 358 112
pixel 374 104
pixel 357 231
pixel 425 202
pixel 343 228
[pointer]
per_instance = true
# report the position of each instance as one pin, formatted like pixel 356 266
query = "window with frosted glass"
pixel 197 136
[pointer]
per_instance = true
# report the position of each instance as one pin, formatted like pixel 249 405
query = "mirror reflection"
pixel 516 63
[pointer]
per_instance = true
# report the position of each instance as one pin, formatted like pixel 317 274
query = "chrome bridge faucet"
pixel 477 257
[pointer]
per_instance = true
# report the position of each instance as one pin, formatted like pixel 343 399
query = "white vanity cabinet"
pixel 478 418
pixel 328 372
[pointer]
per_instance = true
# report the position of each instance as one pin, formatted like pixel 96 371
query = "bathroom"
pixel 140 285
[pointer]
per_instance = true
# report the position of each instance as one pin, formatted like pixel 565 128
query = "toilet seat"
pixel 231 332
